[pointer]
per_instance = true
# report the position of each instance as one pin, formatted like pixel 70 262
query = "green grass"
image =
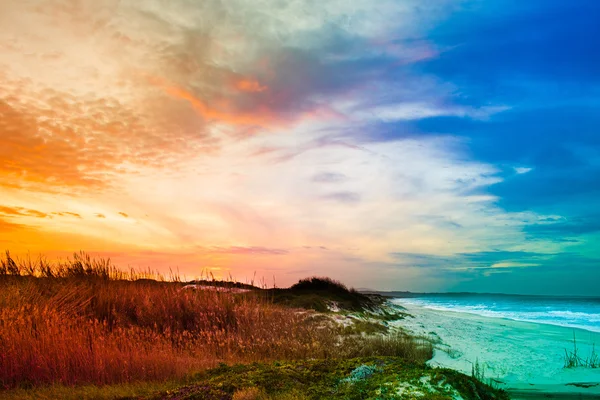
pixel 573 359
pixel 376 378
pixel 91 392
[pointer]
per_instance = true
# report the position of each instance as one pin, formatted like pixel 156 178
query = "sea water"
pixel 574 312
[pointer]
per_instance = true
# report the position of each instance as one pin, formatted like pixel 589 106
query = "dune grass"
pixel 82 321
pixel 574 359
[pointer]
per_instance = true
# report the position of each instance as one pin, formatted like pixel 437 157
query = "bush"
pixel 317 293
pixel 320 284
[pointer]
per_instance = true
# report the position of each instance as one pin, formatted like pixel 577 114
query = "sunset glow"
pixel 391 146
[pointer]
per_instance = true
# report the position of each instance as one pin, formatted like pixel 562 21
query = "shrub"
pixel 320 284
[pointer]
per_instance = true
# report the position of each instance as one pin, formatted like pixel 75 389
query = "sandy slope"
pixel 518 356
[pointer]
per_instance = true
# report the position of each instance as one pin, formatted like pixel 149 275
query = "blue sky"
pixel 408 145
pixel 540 59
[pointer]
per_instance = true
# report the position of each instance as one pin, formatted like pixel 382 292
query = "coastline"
pixel 524 358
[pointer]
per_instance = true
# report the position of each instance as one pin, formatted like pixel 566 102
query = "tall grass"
pixel 573 359
pixel 83 321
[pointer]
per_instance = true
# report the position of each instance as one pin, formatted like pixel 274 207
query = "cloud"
pixel 561 155
pixel 343 197
pixel 474 260
pixel 68 214
pixel 557 275
pixel 522 170
pixel 328 177
pixel 37 152
pixel 248 250
pixel 250 85
pixel 8 226
pixel 565 227
pixel 408 111
pixel 24 212
pixel 124 214
pixel 149 86
pixel 538 64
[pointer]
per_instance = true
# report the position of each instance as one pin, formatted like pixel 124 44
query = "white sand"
pixel 518 356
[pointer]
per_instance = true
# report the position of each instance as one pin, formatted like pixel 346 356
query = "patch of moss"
pixel 387 379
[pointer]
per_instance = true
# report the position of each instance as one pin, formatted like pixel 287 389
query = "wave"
pixel 563 314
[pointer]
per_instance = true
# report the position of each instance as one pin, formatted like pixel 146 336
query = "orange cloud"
pixel 66 213
pixel 250 85
pixel 261 116
pixel 250 250
pixel 40 152
pixel 22 212
pixel 7 226
pixel 62 142
pixel 123 215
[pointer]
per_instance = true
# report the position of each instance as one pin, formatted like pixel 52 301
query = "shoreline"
pixel 444 310
pixel 524 358
pixel 541 395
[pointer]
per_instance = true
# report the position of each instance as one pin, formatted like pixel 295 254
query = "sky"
pixel 396 145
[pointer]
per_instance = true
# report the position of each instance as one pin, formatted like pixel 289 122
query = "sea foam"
pixel 574 312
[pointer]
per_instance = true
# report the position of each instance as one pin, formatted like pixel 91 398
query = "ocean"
pixel 573 312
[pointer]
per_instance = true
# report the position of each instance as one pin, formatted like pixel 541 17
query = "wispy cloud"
pixel 408 111
pixel 343 197
pixel 68 214
pixel 482 260
pixel 8 226
pixel 251 250
pixel 20 211
pixel 329 177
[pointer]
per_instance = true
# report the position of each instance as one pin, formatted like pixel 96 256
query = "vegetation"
pixel 478 371
pixel 82 321
pixel 70 323
pixel 573 359
pixel 376 378
pixel 81 328
pixel 322 294
pixel 365 327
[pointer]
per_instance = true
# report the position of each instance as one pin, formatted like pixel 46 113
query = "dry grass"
pixel 251 393
pixel 71 324
pixel 82 321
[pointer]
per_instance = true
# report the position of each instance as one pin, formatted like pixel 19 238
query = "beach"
pixel 524 358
